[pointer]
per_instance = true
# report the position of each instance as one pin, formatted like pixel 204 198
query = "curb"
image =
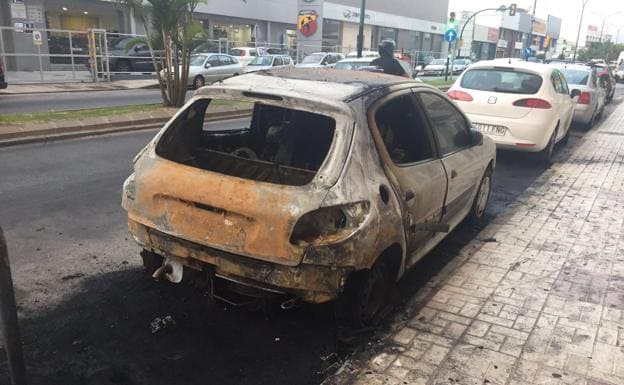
pixel 71 132
pixel 4 92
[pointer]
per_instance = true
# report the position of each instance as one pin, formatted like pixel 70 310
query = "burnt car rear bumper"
pixel 312 283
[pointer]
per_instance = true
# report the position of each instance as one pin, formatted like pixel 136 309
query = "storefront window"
pixel 331 32
pixel 238 34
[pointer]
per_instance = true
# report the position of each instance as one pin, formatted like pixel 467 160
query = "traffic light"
pixel 452 22
pixel 512 9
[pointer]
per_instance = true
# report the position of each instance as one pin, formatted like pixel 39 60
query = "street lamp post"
pixel 578 33
pixel 360 37
pixel 502 8
pixel 604 20
pixel 530 37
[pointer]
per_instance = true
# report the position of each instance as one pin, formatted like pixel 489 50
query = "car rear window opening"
pixel 259 142
pixel 502 80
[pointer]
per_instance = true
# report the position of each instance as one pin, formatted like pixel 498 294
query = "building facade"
pixel 327 25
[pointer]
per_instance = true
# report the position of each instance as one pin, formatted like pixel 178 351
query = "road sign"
pixel 450 35
pixel 528 52
pixel 513 9
pixel 37 39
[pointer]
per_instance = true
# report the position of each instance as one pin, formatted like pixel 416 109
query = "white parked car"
pixel 208 68
pixel 522 106
pixel 320 59
pixel 359 63
pixel 460 65
pixel 591 102
pixel 435 67
pixel 267 62
pixel 365 54
pixel 619 74
pixel 246 55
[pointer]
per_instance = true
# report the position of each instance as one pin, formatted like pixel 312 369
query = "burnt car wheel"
pixel 365 296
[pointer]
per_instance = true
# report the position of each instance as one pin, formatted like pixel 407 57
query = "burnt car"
pixel 322 184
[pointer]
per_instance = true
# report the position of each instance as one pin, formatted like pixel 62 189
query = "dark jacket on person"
pixel 389 65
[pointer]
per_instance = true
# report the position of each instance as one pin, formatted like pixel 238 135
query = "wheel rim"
pixel 484 196
pixel 199 82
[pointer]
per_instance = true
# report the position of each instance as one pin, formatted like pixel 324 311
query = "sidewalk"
pixel 61 81
pixel 543 304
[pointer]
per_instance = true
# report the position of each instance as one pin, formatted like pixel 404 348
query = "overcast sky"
pixel 568 10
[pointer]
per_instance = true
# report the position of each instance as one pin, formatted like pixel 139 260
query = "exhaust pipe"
pixel 171 269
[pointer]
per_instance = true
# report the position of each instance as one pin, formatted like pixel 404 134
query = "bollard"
pixel 9 329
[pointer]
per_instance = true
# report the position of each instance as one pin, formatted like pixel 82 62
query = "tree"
pixel 606 50
pixel 171 32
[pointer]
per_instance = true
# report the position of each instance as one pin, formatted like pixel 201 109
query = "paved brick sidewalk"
pixel 544 304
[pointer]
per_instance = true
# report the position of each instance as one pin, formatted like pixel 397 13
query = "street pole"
pixel 578 33
pixel 360 37
pixel 530 37
pixel 461 34
pixel 9 328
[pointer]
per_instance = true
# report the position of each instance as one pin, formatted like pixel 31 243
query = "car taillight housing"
pixel 533 103
pixel 329 224
pixel 460 95
pixel 585 98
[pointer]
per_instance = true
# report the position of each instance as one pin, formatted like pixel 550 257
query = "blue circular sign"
pixel 450 35
pixel 528 52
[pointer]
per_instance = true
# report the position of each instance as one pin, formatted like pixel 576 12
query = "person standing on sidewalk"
pixel 386 60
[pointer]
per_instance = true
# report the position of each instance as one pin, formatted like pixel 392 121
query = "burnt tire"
pixel 482 198
pixel 199 82
pixel 366 296
pixel 588 126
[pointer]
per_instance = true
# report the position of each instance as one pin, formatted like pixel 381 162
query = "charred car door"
pixel 407 149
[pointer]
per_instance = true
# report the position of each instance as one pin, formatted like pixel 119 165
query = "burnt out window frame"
pixel 433 130
pixel 320 173
pixel 372 116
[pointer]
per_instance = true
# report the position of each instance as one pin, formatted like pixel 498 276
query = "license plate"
pixel 490 129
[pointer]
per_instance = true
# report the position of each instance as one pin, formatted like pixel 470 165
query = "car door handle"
pixel 409 196
pixel 453 174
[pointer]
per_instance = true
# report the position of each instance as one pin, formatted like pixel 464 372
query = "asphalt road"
pixel 86 305
pixel 63 101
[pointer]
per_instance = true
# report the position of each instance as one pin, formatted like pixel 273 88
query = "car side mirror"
pixel 575 93
pixel 208 65
pixel 476 137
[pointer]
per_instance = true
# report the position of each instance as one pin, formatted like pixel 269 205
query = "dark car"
pixel 3 83
pixel 605 74
pixel 129 54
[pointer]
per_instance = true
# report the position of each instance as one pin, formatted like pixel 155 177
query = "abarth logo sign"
pixel 306 23
pixel 492 100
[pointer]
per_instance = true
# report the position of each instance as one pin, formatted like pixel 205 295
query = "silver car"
pixel 328 184
pixel 320 59
pixel 268 62
pixel 208 68
pixel 593 94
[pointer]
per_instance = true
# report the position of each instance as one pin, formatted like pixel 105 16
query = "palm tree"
pixel 170 30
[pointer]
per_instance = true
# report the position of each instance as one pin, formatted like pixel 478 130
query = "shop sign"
pixel 350 14
pixel 502 44
pixel 307 23
pixel 18 11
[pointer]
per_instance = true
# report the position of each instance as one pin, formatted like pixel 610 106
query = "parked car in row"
pixel 320 59
pixel 460 65
pixel 246 55
pixel 269 61
pixel 332 186
pixel 606 76
pixel 436 67
pixel 619 73
pixel 130 54
pixel 365 54
pixel 361 63
pixel 522 106
pixel 592 100
pixel 207 68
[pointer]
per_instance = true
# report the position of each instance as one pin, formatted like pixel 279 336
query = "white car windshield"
pixel 459 62
pixel 261 61
pixel 437 62
pixel 197 60
pixel 312 59
pixel 502 80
